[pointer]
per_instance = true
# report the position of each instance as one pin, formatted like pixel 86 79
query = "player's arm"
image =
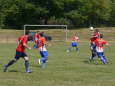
pixel 107 44
pixel 108 47
pixel 44 41
pixel 25 45
pixel 18 41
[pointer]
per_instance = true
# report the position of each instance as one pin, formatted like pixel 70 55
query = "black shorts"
pixel 20 54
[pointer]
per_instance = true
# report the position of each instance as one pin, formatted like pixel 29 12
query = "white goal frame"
pixel 65 27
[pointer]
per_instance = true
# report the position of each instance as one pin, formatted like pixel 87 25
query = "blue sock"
pixel 10 63
pixel 27 65
pixel 103 60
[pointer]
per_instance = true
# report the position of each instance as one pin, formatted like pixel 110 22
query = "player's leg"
pixel 26 58
pixel 44 57
pixel 70 48
pixel 77 49
pixel 40 61
pixel 73 46
pixel 102 57
pixel 105 59
pixel 11 62
pixel 93 52
pixel 76 46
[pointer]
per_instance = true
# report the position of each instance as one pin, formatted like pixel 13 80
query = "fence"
pixel 9 36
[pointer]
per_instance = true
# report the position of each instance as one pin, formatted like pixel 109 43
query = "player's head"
pixel 41 34
pixel 75 34
pixel 101 35
pixel 96 30
pixel 27 32
pixel 38 32
pixel 29 35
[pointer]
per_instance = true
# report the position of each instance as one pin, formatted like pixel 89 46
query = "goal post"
pixel 64 26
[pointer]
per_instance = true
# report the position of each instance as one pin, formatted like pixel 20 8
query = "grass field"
pixel 63 69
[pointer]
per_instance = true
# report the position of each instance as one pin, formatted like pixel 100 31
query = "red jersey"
pixel 75 38
pixel 99 44
pixel 21 41
pixel 95 36
pixel 41 44
pixel 36 37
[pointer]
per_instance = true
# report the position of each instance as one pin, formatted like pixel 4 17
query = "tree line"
pixel 74 13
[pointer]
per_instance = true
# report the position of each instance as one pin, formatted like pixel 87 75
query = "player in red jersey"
pixel 95 35
pixel 20 52
pixel 37 36
pixel 100 42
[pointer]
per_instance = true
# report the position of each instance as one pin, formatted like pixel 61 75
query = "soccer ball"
pixel 67 51
pixel 91 28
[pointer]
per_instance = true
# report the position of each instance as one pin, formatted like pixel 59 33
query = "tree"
pixel 80 13
pixel 112 17
pixel 98 11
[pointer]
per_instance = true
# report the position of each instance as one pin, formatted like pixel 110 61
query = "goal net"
pixel 56 32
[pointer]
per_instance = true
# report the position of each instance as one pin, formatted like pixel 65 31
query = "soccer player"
pixel 20 52
pixel 95 35
pixel 36 37
pixel 100 42
pixel 42 49
pixel 74 43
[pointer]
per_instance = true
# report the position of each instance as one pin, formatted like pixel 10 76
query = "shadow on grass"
pixel 92 62
pixel 86 62
pixel 13 71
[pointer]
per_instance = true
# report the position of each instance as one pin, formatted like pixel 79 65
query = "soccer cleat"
pixel 28 71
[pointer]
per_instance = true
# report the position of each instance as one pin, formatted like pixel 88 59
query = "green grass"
pixel 63 69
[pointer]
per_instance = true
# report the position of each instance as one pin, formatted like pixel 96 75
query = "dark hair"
pixel 27 32
pixel 42 34
pixel 96 30
pixel 37 31
pixel 101 35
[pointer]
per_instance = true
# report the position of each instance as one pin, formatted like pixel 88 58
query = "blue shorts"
pixel 20 54
pixel 74 44
pixel 100 54
pixel 44 54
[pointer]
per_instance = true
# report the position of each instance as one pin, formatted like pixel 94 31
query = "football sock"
pixel 10 63
pixel 27 65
